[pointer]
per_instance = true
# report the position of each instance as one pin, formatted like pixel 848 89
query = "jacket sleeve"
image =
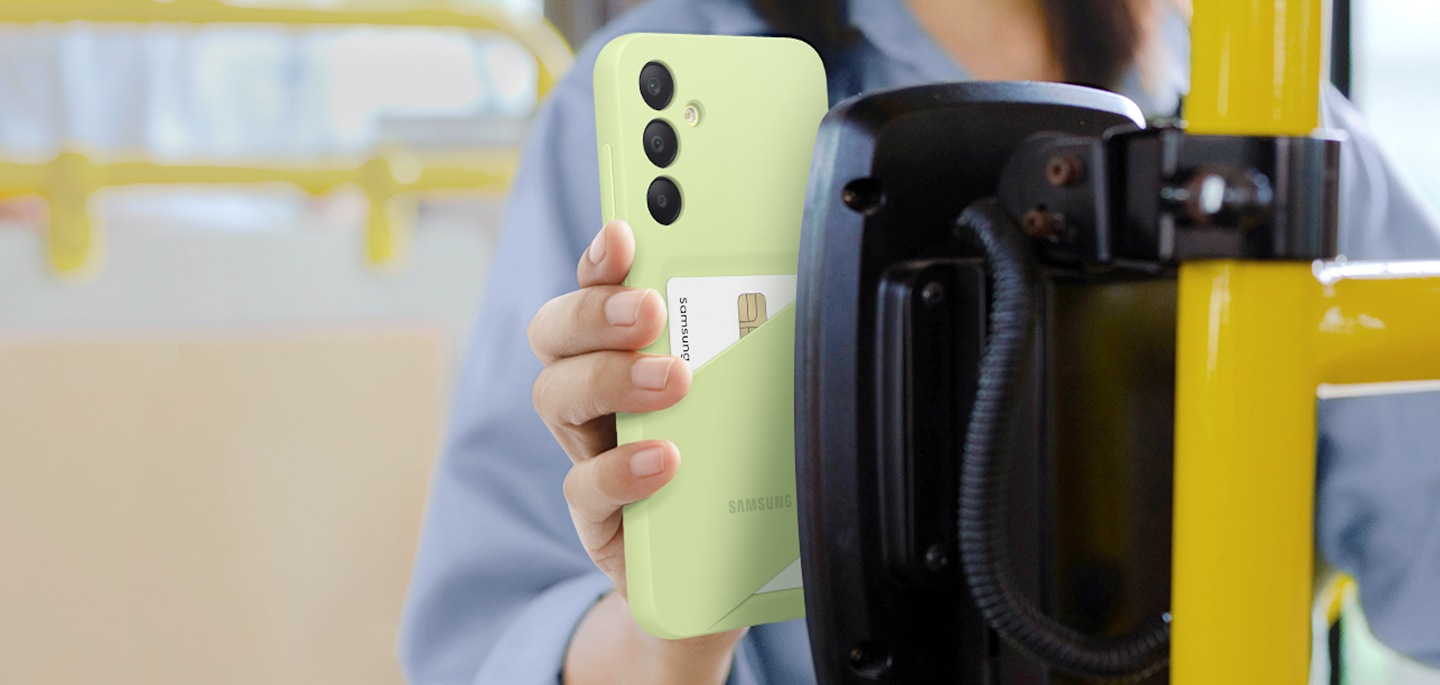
pixel 1378 490
pixel 501 579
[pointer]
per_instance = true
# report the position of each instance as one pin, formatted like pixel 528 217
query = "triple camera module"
pixel 657 87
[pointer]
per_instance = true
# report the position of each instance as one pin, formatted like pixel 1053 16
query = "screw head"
pixel 935 558
pixel 870 659
pixel 932 294
pixel 863 195
pixel 1039 223
pixel 1064 170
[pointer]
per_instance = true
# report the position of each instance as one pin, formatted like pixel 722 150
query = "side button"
pixel 607 184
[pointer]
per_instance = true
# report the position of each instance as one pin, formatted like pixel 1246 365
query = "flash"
pixel 692 114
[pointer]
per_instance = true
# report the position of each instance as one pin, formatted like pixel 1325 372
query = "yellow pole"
pixel 1244 474
pixel 1245 414
pixel 1256 67
pixel 73 242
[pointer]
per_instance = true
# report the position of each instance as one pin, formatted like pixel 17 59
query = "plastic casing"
pixel 878 487
pixel 692 566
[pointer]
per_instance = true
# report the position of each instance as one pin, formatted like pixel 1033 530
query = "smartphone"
pixel 705 145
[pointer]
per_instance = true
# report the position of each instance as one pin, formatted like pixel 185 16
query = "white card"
pixel 787 578
pixel 710 313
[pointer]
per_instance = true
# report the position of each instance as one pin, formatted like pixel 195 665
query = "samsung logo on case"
pixel 749 504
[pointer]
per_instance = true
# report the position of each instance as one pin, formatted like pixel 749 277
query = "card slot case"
pixel 697 573
pixel 742 165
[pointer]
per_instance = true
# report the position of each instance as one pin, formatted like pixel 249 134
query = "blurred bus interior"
pixel 221 415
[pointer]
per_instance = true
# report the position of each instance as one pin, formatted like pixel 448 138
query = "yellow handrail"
pixel 68 181
pixel 537 36
pixel 387 177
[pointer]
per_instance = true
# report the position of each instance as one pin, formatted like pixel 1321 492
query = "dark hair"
pixel 1095 40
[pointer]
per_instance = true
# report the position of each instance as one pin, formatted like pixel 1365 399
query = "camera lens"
pixel 660 143
pixel 664 200
pixel 656 86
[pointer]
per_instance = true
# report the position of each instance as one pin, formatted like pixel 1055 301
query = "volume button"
pixel 607 184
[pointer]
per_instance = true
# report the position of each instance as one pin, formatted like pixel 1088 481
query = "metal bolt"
pixel 1039 223
pixel 932 294
pixel 935 558
pixel 1236 198
pixel 1064 170
pixel 1208 193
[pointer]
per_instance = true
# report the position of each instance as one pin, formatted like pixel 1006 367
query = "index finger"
pixel 607 260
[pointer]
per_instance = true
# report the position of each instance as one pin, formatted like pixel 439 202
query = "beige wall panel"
pixel 211 509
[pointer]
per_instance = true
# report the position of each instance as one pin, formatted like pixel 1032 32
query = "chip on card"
pixel 711 313
pixel 751 312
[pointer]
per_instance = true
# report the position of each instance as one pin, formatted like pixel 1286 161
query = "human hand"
pixel 589 341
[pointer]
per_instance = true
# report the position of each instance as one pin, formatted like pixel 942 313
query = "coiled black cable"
pixel 983 487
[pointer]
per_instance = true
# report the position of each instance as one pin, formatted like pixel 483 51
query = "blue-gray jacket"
pixel 501 578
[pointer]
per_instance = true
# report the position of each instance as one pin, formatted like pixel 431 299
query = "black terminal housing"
pixel 891 322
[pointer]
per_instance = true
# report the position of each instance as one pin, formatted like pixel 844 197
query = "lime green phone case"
pixel 694 560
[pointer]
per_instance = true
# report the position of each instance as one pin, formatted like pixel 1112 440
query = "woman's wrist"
pixel 609 647
pixel 704 659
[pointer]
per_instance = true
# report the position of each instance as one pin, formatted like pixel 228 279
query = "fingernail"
pixel 651 373
pixel 623 309
pixel 647 462
pixel 596 252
